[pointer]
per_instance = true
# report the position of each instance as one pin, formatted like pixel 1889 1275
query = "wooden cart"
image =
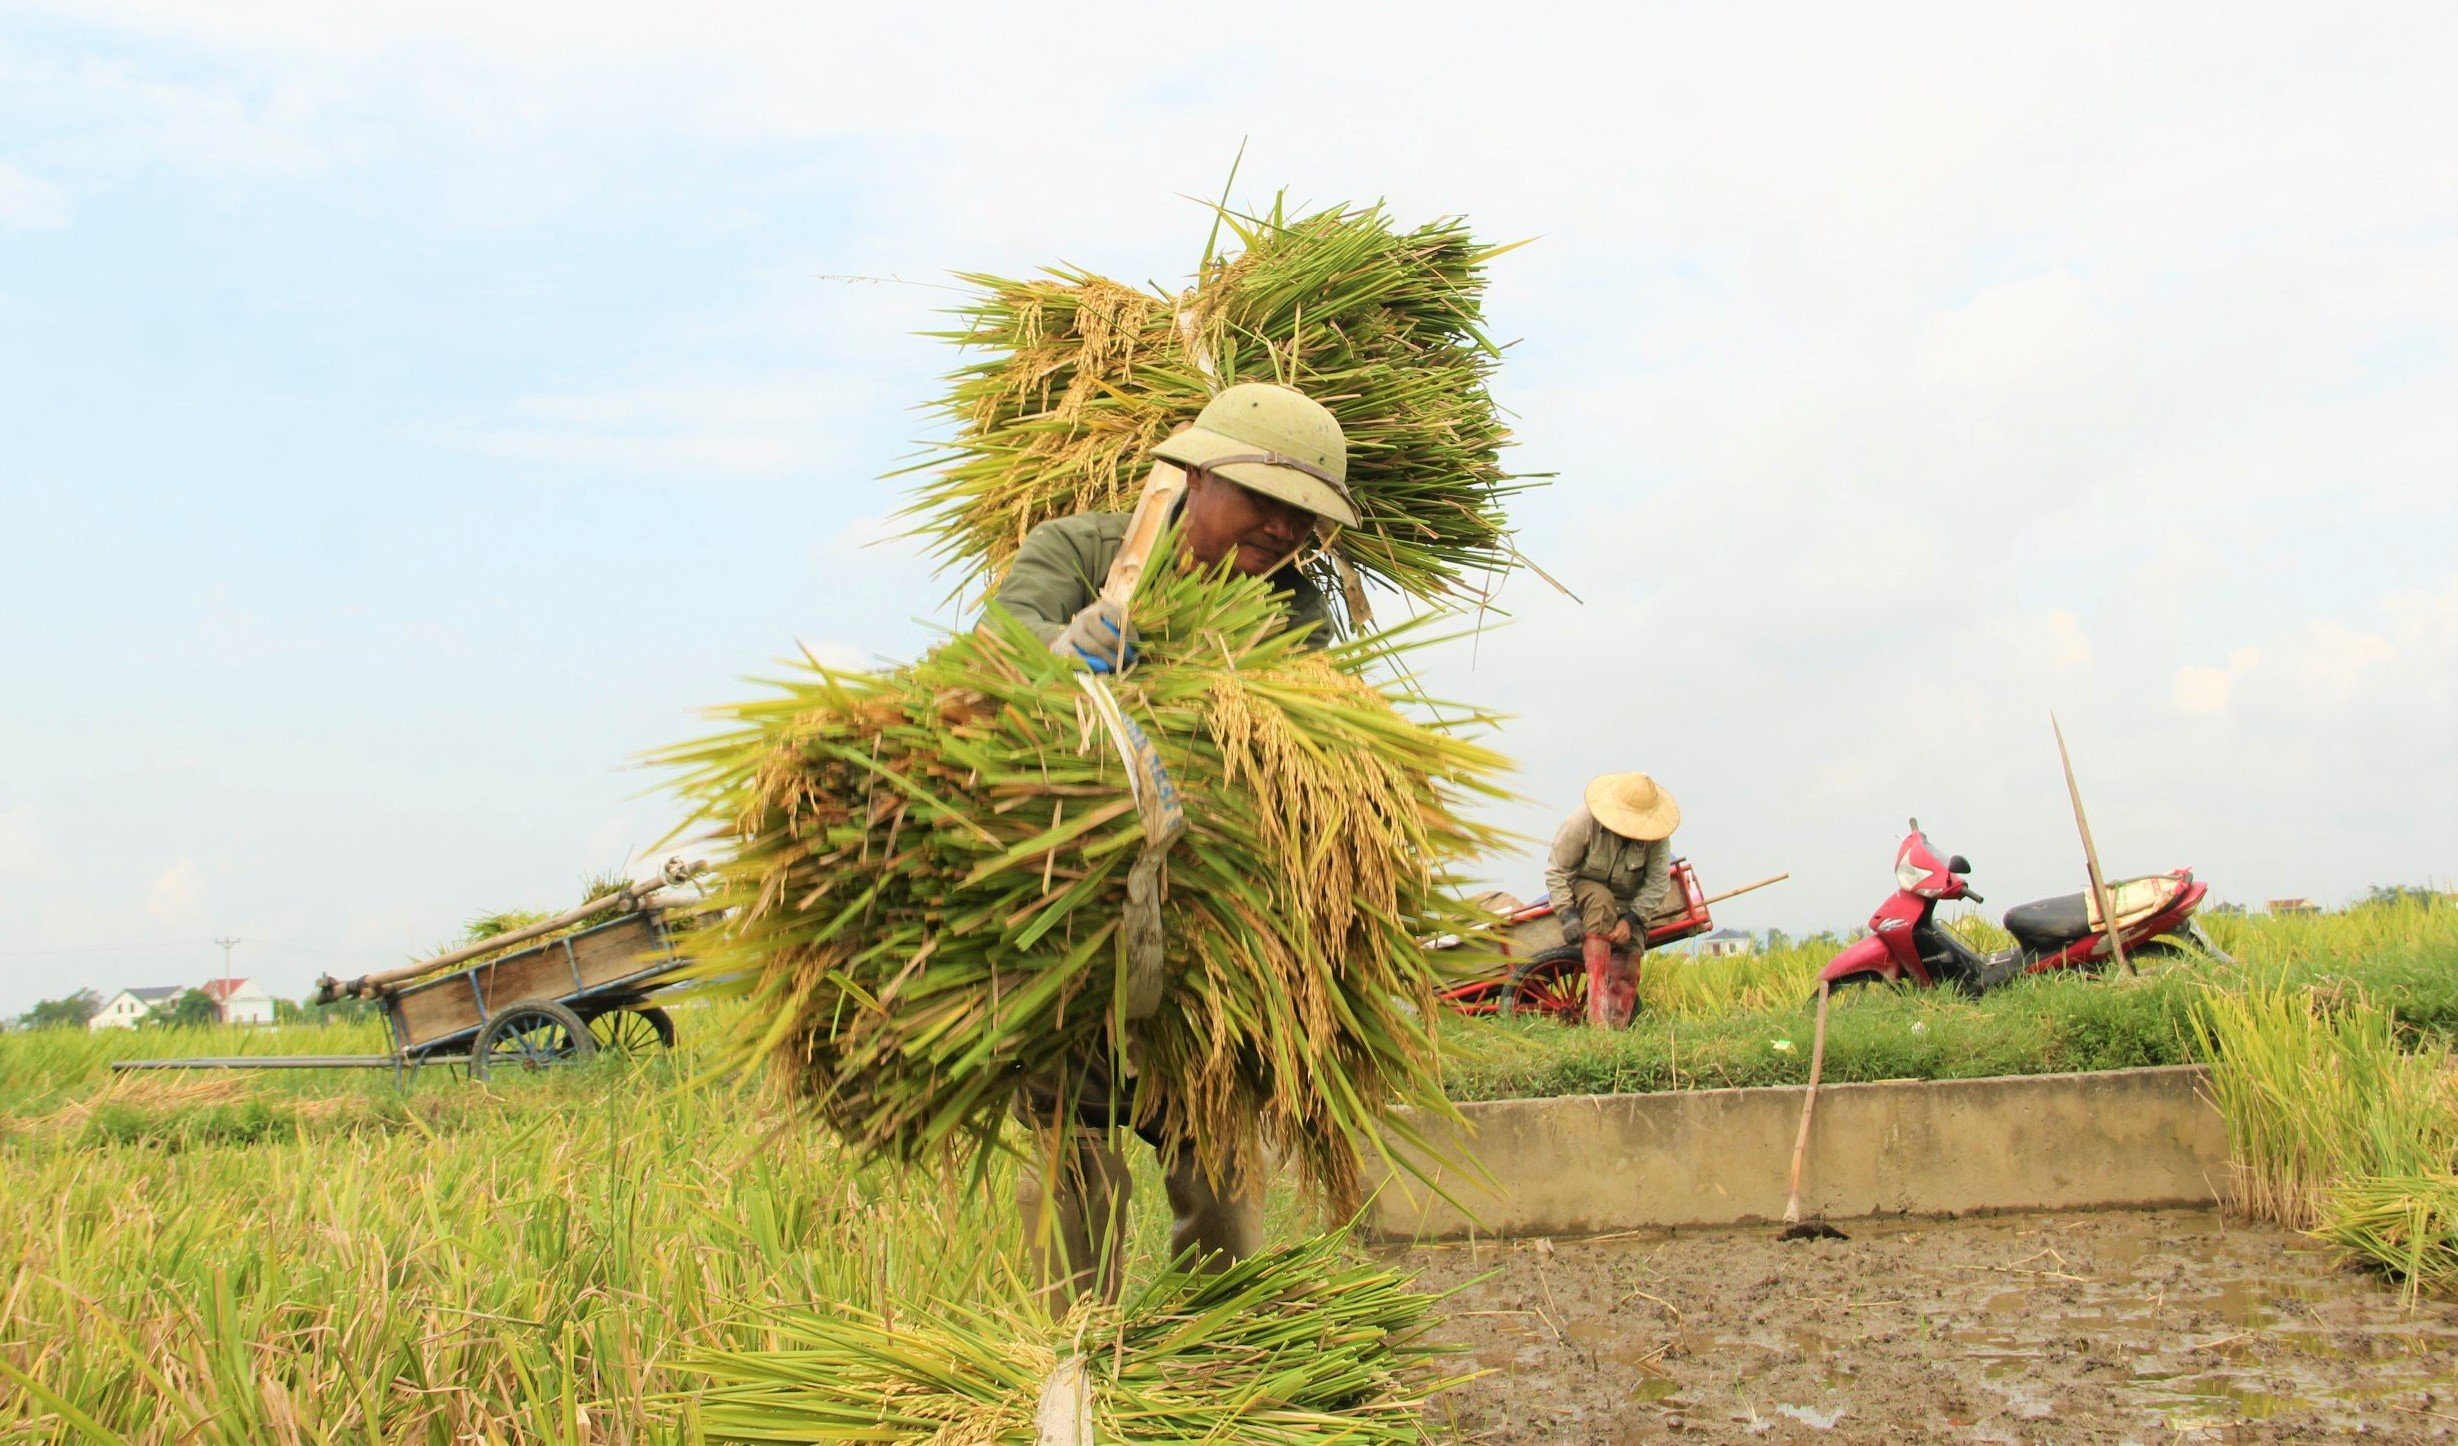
pixel 564 999
pixel 556 999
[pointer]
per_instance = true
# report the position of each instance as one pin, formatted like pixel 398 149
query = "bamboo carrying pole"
pixel 1155 509
pixel 1156 797
pixel 2091 855
pixel 1745 888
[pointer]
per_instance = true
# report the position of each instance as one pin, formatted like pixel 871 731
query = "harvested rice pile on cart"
pixel 1290 1346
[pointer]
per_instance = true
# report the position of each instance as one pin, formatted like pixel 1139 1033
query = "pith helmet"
pixel 1273 440
pixel 1633 806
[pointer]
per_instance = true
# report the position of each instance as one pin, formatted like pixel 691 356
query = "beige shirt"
pixel 1638 874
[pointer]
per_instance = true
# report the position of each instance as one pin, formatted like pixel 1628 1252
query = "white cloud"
pixel 2200 689
pixel 177 895
pixel 2010 336
pixel 30 203
pixel 2069 646
pixel 2329 661
pixel 21 842
pixel 740 424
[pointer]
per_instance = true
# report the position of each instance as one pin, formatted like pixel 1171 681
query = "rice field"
pixel 311 1257
pixel 306 1258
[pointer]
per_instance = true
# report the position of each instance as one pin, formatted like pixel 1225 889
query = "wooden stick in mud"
pixel 1793 1228
pixel 2091 855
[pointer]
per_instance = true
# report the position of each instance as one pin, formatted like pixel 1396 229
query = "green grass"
pixel 1698 1029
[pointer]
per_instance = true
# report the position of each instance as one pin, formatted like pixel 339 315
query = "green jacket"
pixel 1060 568
pixel 1637 873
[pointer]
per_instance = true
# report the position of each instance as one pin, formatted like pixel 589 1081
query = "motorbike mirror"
pixel 1958 865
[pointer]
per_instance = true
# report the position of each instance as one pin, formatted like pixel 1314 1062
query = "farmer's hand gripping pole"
pixel 1156 797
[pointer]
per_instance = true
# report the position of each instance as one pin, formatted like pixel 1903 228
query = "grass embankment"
pixel 2331 1041
pixel 310 1257
pixel 1718 1023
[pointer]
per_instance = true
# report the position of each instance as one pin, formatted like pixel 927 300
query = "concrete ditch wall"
pixel 1589 1164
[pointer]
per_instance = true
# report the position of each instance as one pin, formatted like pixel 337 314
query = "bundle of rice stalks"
pixel 929 865
pixel 1083 375
pixel 2405 1224
pixel 2317 1089
pixel 1290 1346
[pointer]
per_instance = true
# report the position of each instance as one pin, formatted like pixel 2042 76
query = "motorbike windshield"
pixel 1918 869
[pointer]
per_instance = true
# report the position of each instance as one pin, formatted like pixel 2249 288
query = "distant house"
pixel 2294 906
pixel 240 1001
pixel 1724 943
pixel 128 1008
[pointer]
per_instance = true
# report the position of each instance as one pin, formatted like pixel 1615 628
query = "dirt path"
pixel 2123 1326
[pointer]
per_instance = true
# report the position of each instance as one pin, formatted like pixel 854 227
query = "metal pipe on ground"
pixel 265 1061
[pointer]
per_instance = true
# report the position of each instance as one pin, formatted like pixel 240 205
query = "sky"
pixel 411 415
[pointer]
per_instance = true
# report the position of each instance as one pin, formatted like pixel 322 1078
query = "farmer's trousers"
pixel 1075 1221
pixel 1612 974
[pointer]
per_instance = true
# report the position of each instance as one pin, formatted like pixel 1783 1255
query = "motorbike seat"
pixel 2050 923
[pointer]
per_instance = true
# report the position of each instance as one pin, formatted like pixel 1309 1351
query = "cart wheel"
pixel 633 1033
pixel 1553 984
pixel 530 1037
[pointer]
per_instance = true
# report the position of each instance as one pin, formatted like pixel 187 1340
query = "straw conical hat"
pixel 1633 806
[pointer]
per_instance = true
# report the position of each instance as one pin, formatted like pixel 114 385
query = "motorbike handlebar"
pixel 1973 895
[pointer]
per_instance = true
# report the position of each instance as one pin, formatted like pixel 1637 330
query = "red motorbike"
pixel 1906 944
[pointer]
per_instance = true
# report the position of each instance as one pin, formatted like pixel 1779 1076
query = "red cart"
pixel 1538 973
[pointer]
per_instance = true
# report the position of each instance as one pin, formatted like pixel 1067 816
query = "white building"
pixel 1726 942
pixel 240 1001
pixel 128 1008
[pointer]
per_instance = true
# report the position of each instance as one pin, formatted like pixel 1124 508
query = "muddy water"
pixel 2116 1326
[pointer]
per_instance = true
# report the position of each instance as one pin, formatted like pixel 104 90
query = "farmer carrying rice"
pixel 1610 872
pixel 1265 469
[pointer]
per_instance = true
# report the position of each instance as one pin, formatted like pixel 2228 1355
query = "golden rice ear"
pixel 931 863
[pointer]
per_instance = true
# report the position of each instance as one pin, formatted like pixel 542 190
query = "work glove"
pixel 1100 635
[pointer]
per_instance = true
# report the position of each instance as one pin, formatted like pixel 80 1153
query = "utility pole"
pixel 227 985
